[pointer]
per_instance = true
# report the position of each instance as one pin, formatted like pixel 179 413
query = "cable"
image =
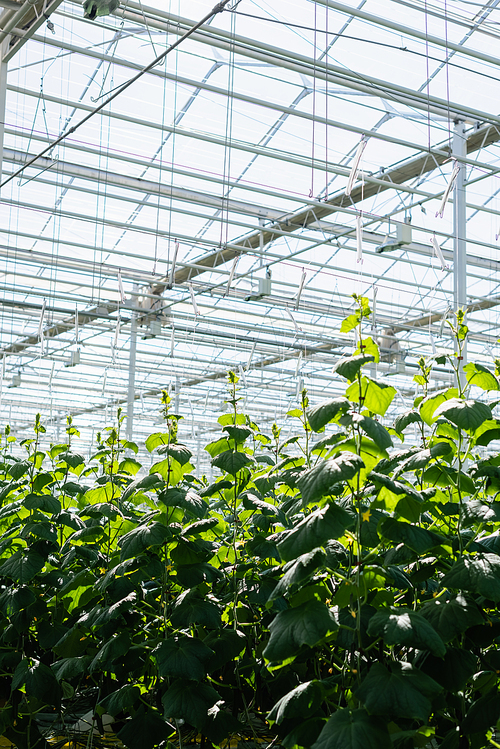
pixel 216 9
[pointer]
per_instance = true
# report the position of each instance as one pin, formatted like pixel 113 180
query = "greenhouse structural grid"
pixel 219 213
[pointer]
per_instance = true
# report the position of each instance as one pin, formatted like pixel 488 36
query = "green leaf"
pixel 317 482
pixel 480 376
pixel 416 538
pixel 453 671
pixel 182 700
pixel 13 600
pixel 42 480
pixel 152 481
pixel 398 691
pixel 420 459
pixel 404 420
pixel 183 656
pixel 191 608
pixel 315 530
pixel 120 700
pixel 451 618
pixel 39 681
pixel 478 573
pixel 68 668
pixel 218 447
pixel 145 730
pixel 43 502
pixel 354 729
pixel 466 414
pixel 408 628
pixel 349 366
pixel 19 469
pixel 298 572
pixel 442 475
pixel 22 566
pixel 187 499
pixel 157 439
pixel 226 644
pixel 144 537
pixel 374 429
pixel 307 624
pixel 349 323
pixel 429 405
pixel 318 416
pixel 72 459
pixel 303 700
pixel 231 462
pixel 375 396
pixel 180 453
pixel 483 713
pixel 238 433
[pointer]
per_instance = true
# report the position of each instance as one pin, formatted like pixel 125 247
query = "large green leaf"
pixel 306 624
pixel 422 457
pixel 145 730
pixel 466 414
pixel 354 729
pixel 324 412
pixel 226 645
pixel 144 537
pixel 483 713
pixel 231 462
pixel 39 681
pixel 298 572
pixel 399 627
pixel 398 691
pixel 120 700
pixel 315 530
pixel 303 701
pixel 13 600
pixel 146 483
pixel 22 566
pixel 453 671
pixel 349 366
pixel 238 433
pixel 416 538
pixel 478 573
pixel 183 656
pixel 191 703
pixel 429 405
pixel 318 482
pixel 479 375
pixel 181 453
pixel 18 469
pixel 191 608
pixel 188 499
pixel 451 618
pixel 443 475
pixel 156 439
pixel 375 396
pixel 404 420
pixel 374 429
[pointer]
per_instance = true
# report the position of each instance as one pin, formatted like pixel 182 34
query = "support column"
pixel 460 232
pixel 3 94
pixel 131 373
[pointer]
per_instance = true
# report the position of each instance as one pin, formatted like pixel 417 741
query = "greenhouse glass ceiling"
pixel 199 221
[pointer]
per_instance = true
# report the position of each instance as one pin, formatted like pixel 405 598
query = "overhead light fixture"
pixel 264 288
pixel 16 380
pixel 402 238
pixel 75 359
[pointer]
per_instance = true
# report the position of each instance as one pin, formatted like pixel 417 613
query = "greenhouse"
pixel 250 374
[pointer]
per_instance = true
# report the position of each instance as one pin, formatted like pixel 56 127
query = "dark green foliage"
pixel 345 590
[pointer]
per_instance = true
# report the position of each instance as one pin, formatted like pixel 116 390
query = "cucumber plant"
pixel 337 589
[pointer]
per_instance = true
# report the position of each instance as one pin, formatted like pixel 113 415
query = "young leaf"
pixel 354 729
pixel 400 627
pixel 307 624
